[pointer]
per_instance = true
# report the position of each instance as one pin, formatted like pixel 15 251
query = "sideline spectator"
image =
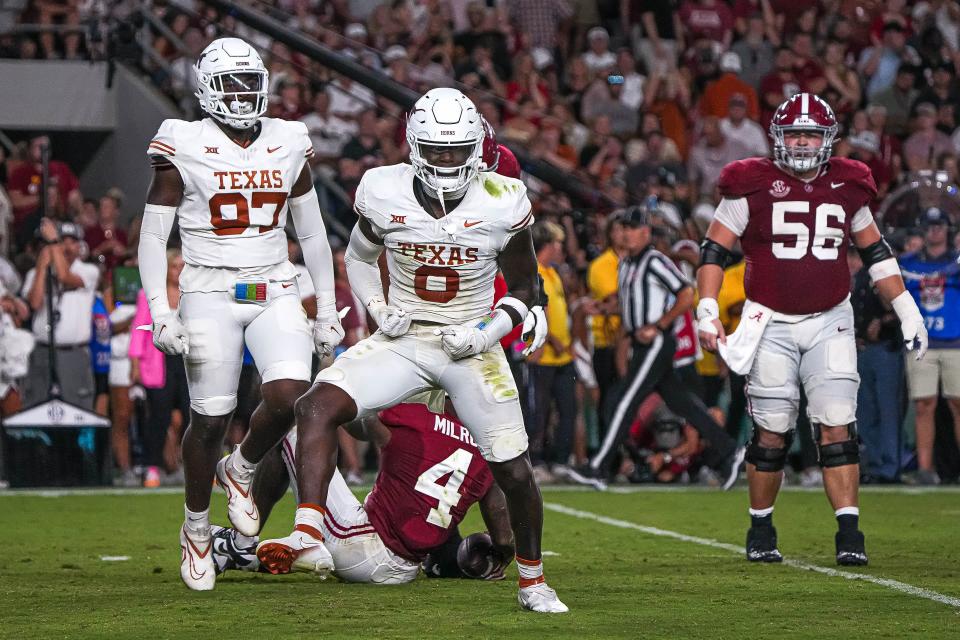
pixel 737 126
pixel 75 285
pixel 932 276
pixel 552 371
pixel 23 185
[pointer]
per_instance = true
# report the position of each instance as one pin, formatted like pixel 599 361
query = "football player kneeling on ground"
pixel 231 178
pixel 795 217
pixel 446 228
pixel 431 473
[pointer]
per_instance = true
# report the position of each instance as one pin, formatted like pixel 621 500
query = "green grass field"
pixel 620 581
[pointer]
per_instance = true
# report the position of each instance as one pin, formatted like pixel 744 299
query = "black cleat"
pixel 762 545
pixel 850 549
pixel 228 555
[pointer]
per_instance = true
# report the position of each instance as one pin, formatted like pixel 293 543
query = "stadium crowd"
pixel 645 101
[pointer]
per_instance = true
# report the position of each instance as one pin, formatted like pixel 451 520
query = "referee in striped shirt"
pixel 653 293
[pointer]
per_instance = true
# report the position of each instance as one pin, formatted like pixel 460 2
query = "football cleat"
pixel 541 598
pixel 850 549
pixel 230 556
pixel 299 551
pixel 196 560
pixel 762 545
pixel 241 509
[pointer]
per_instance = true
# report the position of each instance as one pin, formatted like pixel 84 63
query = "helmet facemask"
pixel 802 159
pixel 235 98
pixel 446 167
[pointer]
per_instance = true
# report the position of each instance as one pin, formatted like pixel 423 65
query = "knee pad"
pixel 502 444
pixel 839 454
pixel 214 405
pixel 768 459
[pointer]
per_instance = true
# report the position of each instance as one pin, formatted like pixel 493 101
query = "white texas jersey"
pixel 234 205
pixel 442 270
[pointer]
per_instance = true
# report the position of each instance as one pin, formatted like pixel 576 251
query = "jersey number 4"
pixel 826 238
pixel 235 226
pixel 448 494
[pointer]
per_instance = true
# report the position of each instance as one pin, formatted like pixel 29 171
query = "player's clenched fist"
pixel 170 336
pixel 460 341
pixel 393 321
pixel 534 329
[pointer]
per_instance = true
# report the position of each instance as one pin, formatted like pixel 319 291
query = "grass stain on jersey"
pixel 492 188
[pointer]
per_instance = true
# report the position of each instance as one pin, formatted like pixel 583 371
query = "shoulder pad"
pixel 379 188
pixel 744 177
pixel 164 143
pixel 510 196
pixel 856 173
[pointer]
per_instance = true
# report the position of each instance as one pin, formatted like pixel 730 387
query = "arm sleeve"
pixel 862 219
pixel 308 221
pixel 362 270
pixel 152 255
pixel 734 214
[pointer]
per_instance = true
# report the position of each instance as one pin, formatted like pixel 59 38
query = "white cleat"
pixel 241 509
pixel 299 551
pixel 196 561
pixel 541 598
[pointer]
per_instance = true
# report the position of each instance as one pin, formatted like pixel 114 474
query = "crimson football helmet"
pixel 491 150
pixel 803 112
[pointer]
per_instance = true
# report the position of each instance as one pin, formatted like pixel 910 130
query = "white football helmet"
pixel 445 134
pixel 232 82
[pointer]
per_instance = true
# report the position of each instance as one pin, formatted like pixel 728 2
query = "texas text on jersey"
pixel 431 472
pixel 442 270
pixel 795 233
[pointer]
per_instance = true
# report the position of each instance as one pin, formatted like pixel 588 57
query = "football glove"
pixel 911 323
pixel 170 336
pixel 460 341
pixel 393 321
pixel 327 330
pixel 534 329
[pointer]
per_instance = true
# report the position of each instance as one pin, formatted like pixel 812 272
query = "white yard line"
pixel 896 585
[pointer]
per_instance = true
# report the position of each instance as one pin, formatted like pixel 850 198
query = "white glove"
pixel 534 329
pixel 461 341
pixel 393 321
pixel 911 323
pixel 327 331
pixel 170 336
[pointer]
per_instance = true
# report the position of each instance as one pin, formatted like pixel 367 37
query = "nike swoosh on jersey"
pixel 286 285
pixel 837 185
pixel 468 223
pixel 269 150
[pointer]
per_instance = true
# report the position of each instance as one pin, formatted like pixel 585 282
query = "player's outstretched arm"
pixel 493 508
pixel 312 234
pixel 714 258
pixel 163 198
pixel 885 274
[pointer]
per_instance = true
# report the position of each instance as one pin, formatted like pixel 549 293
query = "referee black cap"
pixel 635 216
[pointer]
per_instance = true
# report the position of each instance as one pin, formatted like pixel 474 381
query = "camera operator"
pixel 74 287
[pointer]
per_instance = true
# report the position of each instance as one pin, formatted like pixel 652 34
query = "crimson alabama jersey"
pixel 795 234
pixel 431 472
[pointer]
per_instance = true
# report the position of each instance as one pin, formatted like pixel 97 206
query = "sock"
pixel 197 523
pixel 531 572
pixel 761 517
pixel 241 465
pixel 848 518
pixel 309 519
